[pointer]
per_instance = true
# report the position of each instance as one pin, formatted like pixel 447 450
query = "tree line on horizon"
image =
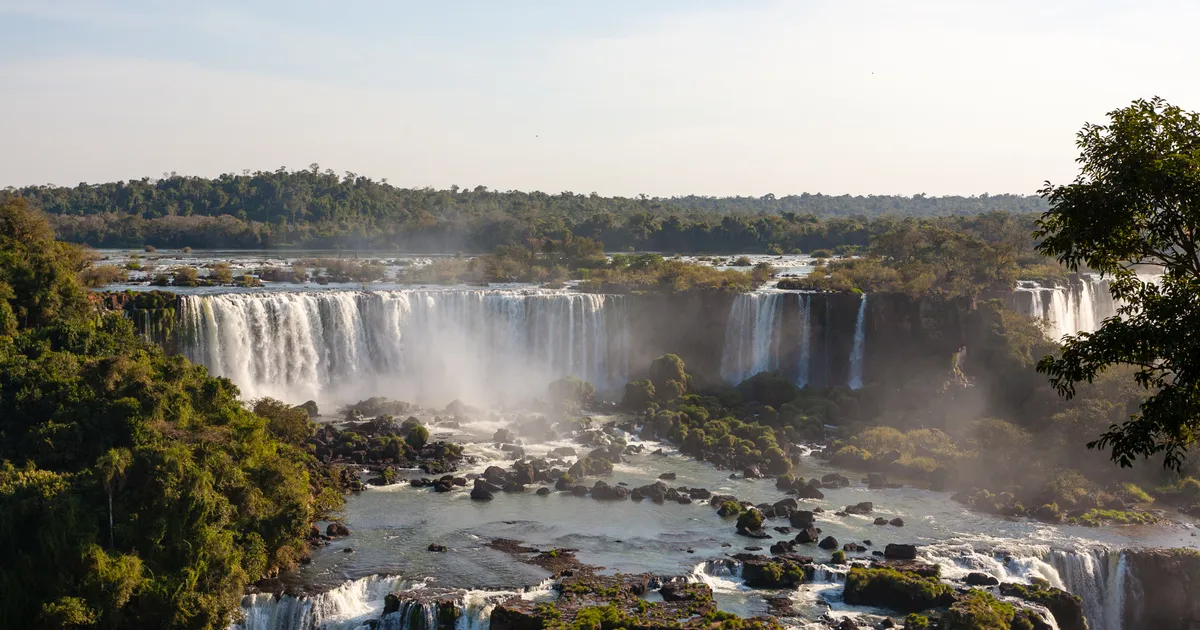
pixel 314 208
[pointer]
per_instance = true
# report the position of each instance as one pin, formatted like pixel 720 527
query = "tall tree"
pixel 1136 201
pixel 112 466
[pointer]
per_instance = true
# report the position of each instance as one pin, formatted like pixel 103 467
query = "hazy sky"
pixel 619 97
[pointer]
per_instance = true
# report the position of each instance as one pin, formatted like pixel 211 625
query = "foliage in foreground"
pixel 135 490
pixel 1137 201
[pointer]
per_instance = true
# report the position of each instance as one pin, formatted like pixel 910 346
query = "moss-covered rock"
pixel 899 590
pixel 1066 608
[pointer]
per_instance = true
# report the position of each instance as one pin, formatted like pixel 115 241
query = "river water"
pixel 393 526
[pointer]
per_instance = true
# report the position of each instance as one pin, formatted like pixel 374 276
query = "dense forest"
pixel 314 208
pixel 136 491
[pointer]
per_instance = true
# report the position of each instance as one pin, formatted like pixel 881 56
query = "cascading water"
pixel 423 345
pixel 856 353
pixel 805 340
pixel 751 337
pixel 1097 576
pixel 343 608
pixel 1081 306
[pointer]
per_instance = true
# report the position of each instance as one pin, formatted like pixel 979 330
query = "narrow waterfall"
pixel 751 337
pixel 856 353
pixel 431 346
pixel 803 369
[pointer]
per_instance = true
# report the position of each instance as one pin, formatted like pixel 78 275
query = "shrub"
pixel 417 437
pixel 839 557
pixel 186 276
pixel 741 261
pixel 750 520
pixel 221 273
pixel 289 424
pixel 101 275
pixel 821 253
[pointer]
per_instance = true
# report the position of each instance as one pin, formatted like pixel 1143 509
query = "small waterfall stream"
pixel 856 353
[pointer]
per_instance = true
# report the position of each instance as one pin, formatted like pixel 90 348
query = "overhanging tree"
pixel 1136 201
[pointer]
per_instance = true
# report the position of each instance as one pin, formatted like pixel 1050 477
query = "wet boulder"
pixel 480 494
pixel 561 452
pixel 752 472
pixel 604 492
pixel 896 522
pixel 783 547
pixel 514 487
pixel 876 481
pixel 801 519
pixel 495 475
pixel 579 490
pixel 834 480
pixel 829 542
pixel 809 492
pixel 879 520
pixel 699 494
pixel 896 551
pixel 563 484
pixel 866 507
pixel 524 474
pixel 667 476
pixel 786 507
pixel 337 530
pixel 438 548
pixel 543 491
pixel 807 536
pixel 975 578
pixel 504 436
pixel 480 484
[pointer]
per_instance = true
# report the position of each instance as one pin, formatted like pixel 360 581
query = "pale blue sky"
pixel 618 97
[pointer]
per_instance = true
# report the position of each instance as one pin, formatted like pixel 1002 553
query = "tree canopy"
pixel 1136 201
pixel 316 208
pixel 136 491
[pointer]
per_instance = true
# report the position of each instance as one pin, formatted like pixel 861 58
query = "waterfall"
pixel 359 605
pixel 1081 306
pixel 805 340
pixel 1097 576
pixel 751 337
pixel 346 607
pixel 433 345
pixel 856 353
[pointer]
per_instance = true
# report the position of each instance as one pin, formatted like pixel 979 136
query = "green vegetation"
pixel 947 258
pixel 900 590
pixel 717 429
pixel 979 610
pixel 315 208
pixel 135 489
pixel 1135 201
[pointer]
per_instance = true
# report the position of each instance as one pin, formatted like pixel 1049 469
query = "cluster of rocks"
pixel 382 445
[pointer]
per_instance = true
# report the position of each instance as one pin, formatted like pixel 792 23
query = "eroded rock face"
pixel 1066 608
pixel 1169 592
